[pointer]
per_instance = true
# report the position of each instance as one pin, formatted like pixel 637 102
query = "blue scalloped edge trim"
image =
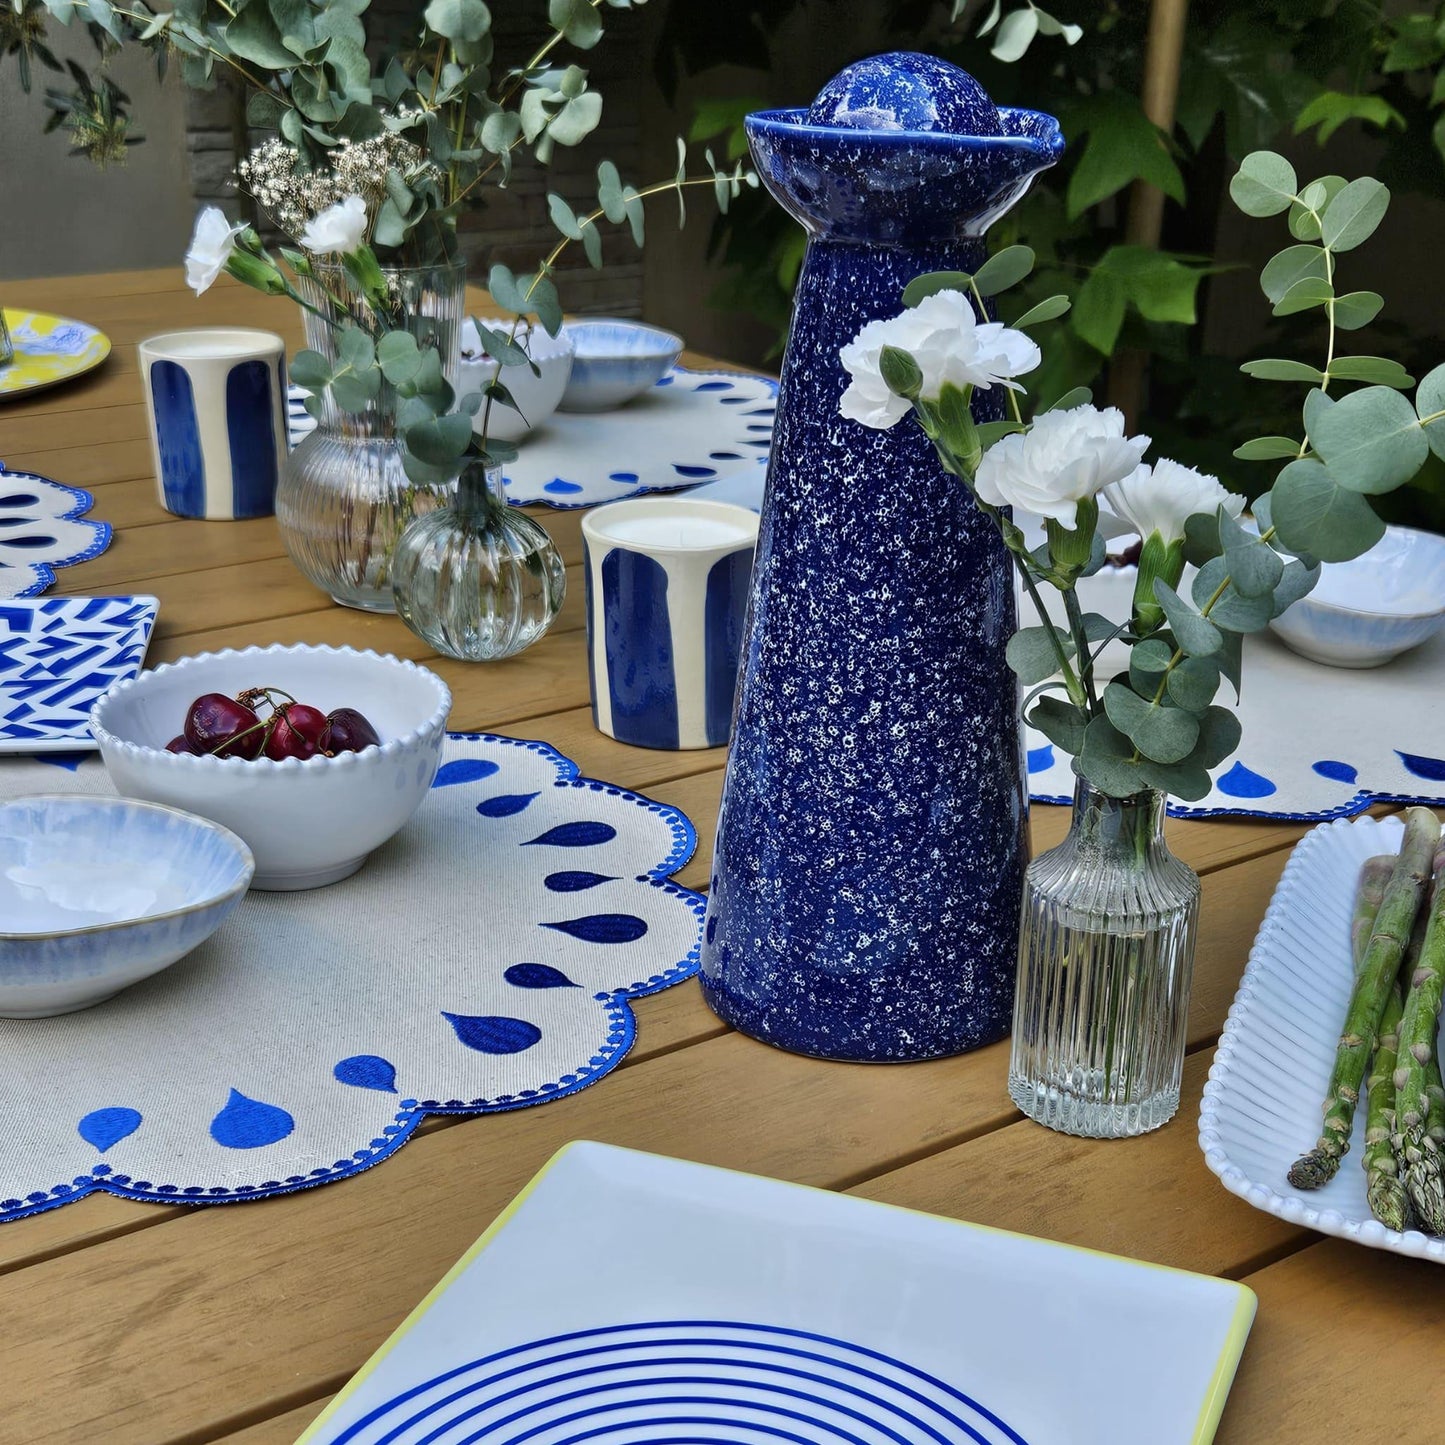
pixel 621 1036
pixel 1365 799
pixel 682 486
pixel 45 571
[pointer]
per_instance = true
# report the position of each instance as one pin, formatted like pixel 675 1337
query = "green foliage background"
pixel 1252 76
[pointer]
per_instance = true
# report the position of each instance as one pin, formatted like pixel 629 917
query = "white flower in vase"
pixel 945 337
pixel 1161 499
pixel 338 230
pixel 1066 457
pixel 212 243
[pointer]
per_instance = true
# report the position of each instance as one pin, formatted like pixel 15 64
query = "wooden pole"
pixel 1159 96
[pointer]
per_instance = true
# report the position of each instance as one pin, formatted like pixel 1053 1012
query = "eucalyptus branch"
pixel 519 77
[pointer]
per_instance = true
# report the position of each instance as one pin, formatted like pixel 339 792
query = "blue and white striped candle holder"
pixel 216 402
pixel 667 590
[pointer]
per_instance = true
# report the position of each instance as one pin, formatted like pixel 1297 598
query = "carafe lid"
pixel 906 91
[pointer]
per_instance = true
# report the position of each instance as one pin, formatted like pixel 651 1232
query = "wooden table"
pixel 138 1324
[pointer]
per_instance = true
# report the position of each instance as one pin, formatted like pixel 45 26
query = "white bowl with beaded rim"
pixel 309 822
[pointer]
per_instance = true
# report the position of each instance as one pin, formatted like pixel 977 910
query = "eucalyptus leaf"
pixel 441 440
pixel 1371 440
pixel 1003 269
pixel 1098 628
pixel 455 19
pixel 505 289
pixel 1059 721
pixel 355 390
pixel 1263 449
pixel 1049 309
pixel 563 217
pixel 609 193
pixel 1219 734
pixel 1229 608
pixel 1201 538
pixel 592 245
pixel 1353 214
pixel 934 282
pixel 1308 292
pixel 1197 636
pixel 1253 566
pixel 1356 309
pixel 1230 659
pixel 1371 368
pixel 1193 682
pixel 1187 780
pixel 1430 404
pixel 1033 656
pixel 1147 663
pixel 1163 734
pixel 355 348
pixel 1297 580
pixel 1264 185
pixel 398 356
pixel 1313 513
pixel 310 369
pixel 1107 760
pixel 577 20
pixel 1291 266
pixel 1277 369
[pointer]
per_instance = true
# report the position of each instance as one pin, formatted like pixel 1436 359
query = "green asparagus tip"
pixel 1313 1170
pixel 1388 1203
pixel 1423 1179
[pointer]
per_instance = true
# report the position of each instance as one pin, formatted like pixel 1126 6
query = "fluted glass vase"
pixel 1106 952
pixel 344 497
pixel 477 579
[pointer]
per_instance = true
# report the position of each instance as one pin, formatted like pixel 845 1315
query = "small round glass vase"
pixel 1106 953
pixel 477 579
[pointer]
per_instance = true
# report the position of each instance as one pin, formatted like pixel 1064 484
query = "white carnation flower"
pixel 1161 499
pixel 1063 459
pixel 211 245
pixel 338 230
pixel 944 336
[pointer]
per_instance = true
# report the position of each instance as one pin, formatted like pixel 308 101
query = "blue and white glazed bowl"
pixel 1367 611
pixel 615 361
pixel 99 893
pixel 309 822
pixel 536 393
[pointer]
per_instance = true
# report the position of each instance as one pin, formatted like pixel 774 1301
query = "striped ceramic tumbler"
pixel 216 400
pixel 667 589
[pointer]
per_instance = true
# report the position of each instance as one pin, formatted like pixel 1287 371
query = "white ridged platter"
pixel 1262 1103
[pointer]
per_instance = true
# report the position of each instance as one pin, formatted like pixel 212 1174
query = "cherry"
pixel 309 721
pixel 347 731
pixel 181 744
pixel 284 739
pixel 219 726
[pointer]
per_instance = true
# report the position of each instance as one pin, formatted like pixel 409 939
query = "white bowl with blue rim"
pixel 1367 611
pixel 309 821
pixel 615 361
pixel 536 393
pixel 97 893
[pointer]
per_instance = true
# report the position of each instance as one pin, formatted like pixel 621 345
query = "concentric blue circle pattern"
pixel 672 1381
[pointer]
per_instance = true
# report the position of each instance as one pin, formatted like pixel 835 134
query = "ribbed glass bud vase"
pixel 1106 953
pixel 344 497
pixel 477 579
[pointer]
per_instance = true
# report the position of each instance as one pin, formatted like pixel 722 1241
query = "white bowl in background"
pixel 536 393
pixel 308 822
pixel 1364 612
pixel 97 893
pixel 614 361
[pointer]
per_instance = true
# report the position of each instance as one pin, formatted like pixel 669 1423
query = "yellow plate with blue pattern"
pixel 48 349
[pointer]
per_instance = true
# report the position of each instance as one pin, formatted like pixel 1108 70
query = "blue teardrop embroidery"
pixel 367 1071
pixel 602 928
pixel 575 835
pixel 1431 769
pixel 248 1123
pixel 103 1127
pixel 537 975
pixel 576 882
pixel 504 805
pixel 1041 759
pixel 495 1034
pixel 1239 782
pixel 560 488
pixel 463 770
pixel 1336 771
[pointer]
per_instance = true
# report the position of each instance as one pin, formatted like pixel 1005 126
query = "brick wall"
pixel 512 225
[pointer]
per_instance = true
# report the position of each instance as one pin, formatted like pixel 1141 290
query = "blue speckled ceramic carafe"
pixel 871 844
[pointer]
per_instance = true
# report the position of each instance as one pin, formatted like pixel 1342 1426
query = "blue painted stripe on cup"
pixel 640 677
pixel 251 430
pixel 724 613
pixel 178 440
pixel 591 625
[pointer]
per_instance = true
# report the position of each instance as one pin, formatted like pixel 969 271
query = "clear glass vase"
pixel 1106 952
pixel 344 497
pixel 477 579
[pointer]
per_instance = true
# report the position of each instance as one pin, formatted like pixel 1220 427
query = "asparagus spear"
pixel 1419 1156
pixel 1373 982
pixel 1369 894
pixel 1384 1188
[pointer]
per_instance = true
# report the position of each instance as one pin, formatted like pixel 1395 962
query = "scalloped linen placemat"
pixel 481 960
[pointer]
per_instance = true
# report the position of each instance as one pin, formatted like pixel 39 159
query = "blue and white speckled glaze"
pixel 871 844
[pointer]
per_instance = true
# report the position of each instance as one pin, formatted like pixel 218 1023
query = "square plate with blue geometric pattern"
pixel 57 656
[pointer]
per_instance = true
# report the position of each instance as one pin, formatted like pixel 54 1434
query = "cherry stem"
pixel 253 695
pixel 268 725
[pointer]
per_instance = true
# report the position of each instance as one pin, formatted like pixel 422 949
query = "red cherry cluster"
pixel 218 726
